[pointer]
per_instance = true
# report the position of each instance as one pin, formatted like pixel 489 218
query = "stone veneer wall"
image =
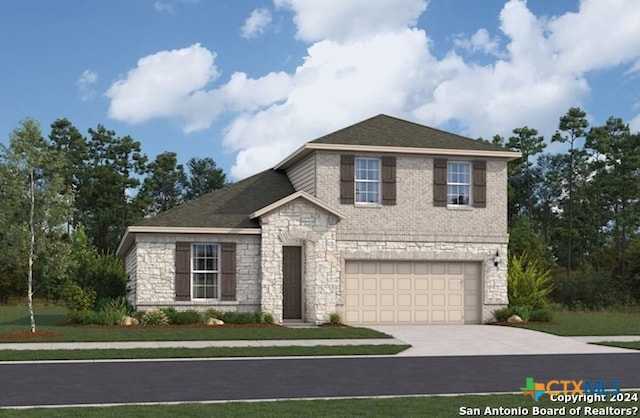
pixel 155 272
pixel 493 278
pixel 301 223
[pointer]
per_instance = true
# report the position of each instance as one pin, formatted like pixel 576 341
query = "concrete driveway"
pixel 479 340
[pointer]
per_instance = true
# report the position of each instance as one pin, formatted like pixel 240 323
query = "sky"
pixel 248 82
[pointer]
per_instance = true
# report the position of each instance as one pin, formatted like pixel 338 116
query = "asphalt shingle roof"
pixel 384 130
pixel 228 207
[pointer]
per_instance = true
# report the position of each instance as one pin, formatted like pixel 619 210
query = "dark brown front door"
pixel 292 282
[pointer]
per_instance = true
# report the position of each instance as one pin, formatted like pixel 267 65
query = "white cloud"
pixel 602 34
pixel 341 20
pixel 365 58
pixel 480 41
pixel 169 6
pixel 164 84
pixel 256 23
pixel 85 82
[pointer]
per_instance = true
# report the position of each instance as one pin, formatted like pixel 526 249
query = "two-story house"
pixel 384 222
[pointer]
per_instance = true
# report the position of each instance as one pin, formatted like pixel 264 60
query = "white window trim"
pixel 356 181
pixel 194 271
pixel 469 185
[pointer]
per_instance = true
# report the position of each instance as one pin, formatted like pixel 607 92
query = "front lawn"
pixel 586 323
pixel 433 406
pixel 14 319
pixel 208 352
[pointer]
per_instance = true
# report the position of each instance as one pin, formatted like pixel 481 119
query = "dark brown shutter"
pixel 440 182
pixel 346 179
pixel 183 271
pixel 388 180
pixel 479 184
pixel 228 271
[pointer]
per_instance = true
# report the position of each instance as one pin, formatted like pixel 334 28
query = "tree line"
pixel 66 200
pixel 578 211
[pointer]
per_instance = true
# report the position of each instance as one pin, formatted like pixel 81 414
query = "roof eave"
pixel 129 236
pixel 309 147
pixel 297 195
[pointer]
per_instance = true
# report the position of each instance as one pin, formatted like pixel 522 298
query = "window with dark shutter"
pixel 479 193
pixel 228 269
pixel 440 182
pixel 346 179
pixel 388 180
pixel 183 271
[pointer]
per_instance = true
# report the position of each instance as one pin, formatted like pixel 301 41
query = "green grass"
pixel 634 345
pixel 435 406
pixel 53 318
pixel 209 352
pixel 590 323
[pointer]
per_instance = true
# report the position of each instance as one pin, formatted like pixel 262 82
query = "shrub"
pixel 586 290
pixel 171 313
pixel 154 318
pixel 502 314
pixel 79 302
pixel 96 318
pixel 266 318
pixel 528 284
pixel 116 309
pixel 335 319
pixel 524 312
pixel 541 315
pixel 185 318
pixel 230 317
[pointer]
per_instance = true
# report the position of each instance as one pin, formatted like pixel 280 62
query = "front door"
pixel 292 282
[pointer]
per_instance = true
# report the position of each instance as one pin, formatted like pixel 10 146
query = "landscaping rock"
pixel 514 319
pixel 128 321
pixel 215 322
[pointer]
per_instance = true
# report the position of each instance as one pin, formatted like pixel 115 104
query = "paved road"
pixel 206 380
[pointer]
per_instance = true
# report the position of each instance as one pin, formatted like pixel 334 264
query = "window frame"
pixel 468 185
pixel 357 180
pixel 217 273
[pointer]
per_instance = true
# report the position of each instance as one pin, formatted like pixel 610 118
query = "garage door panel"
pixel 404 300
pixel 421 283
pixel 387 300
pixel 403 284
pixel 388 292
pixel 387 283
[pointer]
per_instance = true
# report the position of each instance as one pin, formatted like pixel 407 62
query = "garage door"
pixel 412 292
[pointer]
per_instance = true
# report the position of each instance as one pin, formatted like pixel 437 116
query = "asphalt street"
pixel 72 383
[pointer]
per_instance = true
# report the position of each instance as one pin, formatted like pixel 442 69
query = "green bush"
pixel 528 283
pixel 116 309
pixel 154 318
pixel 79 302
pixel 266 318
pixel 230 317
pixel 96 318
pixel 524 312
pixel 189 317
pixel 502 314
pixel 335 319
pixel 541 315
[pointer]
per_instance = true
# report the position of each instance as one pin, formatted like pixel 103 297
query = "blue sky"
pixel 247 82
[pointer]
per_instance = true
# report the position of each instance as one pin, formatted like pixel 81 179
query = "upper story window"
pixel 205 271
pixel 458 183
pixel 367 180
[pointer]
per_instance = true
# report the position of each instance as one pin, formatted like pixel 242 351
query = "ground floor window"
pixel 205 271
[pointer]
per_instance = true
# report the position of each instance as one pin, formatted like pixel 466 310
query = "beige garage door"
pixel 412 292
